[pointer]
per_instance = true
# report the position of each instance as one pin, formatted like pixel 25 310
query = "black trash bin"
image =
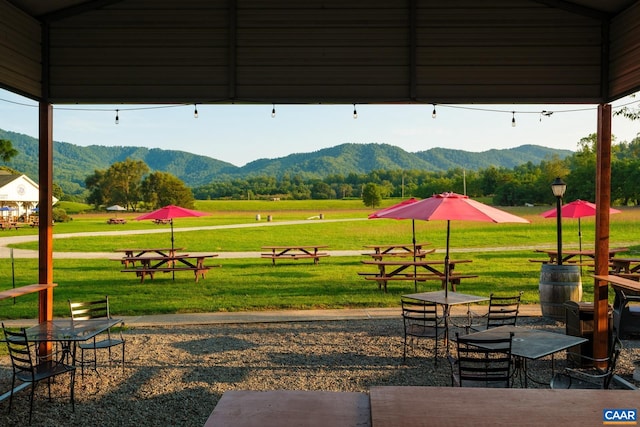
pixel 579 323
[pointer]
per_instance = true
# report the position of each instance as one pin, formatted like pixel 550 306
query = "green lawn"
pixel 253 284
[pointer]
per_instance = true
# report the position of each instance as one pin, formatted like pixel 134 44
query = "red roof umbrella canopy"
pixel 576 209
pixel 450 206
pixel 169 212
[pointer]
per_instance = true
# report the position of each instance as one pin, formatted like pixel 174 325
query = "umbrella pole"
pixel 173 273
pixel 580 243
pixel 446 263
pixel 415 268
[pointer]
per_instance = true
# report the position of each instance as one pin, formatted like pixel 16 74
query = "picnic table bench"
pixel 150 265
pixel 399 273
pixel 294 252
pixel 8 225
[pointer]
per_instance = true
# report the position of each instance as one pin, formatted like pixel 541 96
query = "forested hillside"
pixel 72 163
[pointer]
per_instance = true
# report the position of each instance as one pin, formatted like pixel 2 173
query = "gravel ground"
pixel 174 376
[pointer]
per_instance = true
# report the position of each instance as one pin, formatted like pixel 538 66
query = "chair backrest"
pixel 614 353
pixel 484 362
pixel 20 352
pixel 503 310
pixel 90 309
pixel 420 313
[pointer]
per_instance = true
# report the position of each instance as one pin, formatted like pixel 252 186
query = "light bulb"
pixel 273 111
pixel 355 113
pixel 195 111
pixel 433 113
pixel 117 117
pixel 513 119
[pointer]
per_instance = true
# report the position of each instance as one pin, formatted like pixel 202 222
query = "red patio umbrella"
pixel 576 209
pixel 451 206
pixel 170 212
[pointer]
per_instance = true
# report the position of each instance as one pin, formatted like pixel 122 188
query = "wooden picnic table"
pixel 8 225
pixel 567 256
pixel 625 265
pixel 116 221
pixel 131 255
pixel 398 272
pixel 149 265
pixel 295 252
pixel 398 250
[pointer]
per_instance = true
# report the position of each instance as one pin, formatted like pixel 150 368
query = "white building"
pixel 18 196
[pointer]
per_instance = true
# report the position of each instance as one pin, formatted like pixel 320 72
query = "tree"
pixel 371 195
pixel 7 152
pixel 120 184
pixel 160 189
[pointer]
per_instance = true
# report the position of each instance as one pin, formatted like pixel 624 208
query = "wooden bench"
pixel 143 272
pixel 454 279
pixel 24 290
pixel 315 257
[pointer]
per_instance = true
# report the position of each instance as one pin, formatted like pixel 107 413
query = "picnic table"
pixel 294 252
pixel 398 250
pixel 625 265
pixel 150 265
pixel 162 221
pixel 8 225
pixel 116 221
pixel 133 255
pixel 398 271
pixel 567 256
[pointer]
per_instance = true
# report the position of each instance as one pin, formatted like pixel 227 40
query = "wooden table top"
pixel 285 408
pixel 466 406
pixel 620 282
pixel 399 246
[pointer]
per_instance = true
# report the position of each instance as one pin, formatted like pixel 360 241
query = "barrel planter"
pixel 559 284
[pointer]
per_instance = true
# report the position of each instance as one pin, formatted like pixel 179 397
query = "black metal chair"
pixel 503 310
pixel 482 362
pixel 27 369
pixel 588 371
pixel 626 313
pixel 96 310
pixel 421 320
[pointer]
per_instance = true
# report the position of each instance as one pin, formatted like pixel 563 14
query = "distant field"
pixel 253 284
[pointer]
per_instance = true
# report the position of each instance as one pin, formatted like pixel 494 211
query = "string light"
pixel 545 113
pixel 355 113
pixel 273 111
pixel 195 111
pixel 117 117
pixel 513 119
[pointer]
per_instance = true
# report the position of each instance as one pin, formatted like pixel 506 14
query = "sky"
pixel 239 134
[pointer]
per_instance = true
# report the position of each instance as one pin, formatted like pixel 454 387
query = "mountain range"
pixel 73 163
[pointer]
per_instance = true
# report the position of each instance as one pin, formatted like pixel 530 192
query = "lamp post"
pixel 559 187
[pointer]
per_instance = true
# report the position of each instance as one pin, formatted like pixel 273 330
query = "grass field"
pixel 500 254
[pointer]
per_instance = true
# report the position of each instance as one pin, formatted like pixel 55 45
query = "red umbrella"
pixel 170 212
pixel 451 206
pixel 576 209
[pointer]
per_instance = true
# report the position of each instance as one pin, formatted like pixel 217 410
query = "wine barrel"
pixel 559 284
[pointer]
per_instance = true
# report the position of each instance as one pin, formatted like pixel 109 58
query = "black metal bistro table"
pixel 530 344
pixel 446 300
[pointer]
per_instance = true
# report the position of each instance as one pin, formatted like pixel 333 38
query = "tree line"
pixel 526 183
pixel 131 184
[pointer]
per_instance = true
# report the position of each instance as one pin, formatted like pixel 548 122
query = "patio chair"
pixel 26 370
pixel 626 313
pixel 421 320
pixel 96 310
pixel 587 372
pixel 503 310
pixel 482 362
